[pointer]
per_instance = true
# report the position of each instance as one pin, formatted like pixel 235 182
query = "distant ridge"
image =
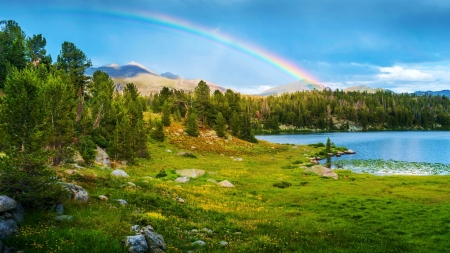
pixel 362 88
pixel 302 85
pixel 434 93
pixel 146 80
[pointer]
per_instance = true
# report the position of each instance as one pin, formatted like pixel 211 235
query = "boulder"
pixel 154 240
pixel 136 244
pixel 103 197
pixel 102 157
pixel 119 173
pixel 7 228
pixel 199 243
pixel 135 229
pixel 238 159
pixel 7 203
pixel 180 200
pixel 18 213
pixel 76 192
pixel 191 173
pixel 223 243
pixel 182 180
pixel 82 196
pixel 59 208
pixel 225 183
pixel 322 171
pixel 122 202
pixel 350 152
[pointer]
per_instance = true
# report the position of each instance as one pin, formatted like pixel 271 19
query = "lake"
pixel 410 146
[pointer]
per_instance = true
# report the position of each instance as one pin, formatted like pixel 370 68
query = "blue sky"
pixel 400 45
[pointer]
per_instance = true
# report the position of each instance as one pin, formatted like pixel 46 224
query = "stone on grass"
pixel 122 202
pixel 182 180
pixel 211 180
pixel 76 192
pixel 223 243
pixel 238 159
pixel 135 228
pixel 154 240
pixel 103 197
pixel 180 200
pixel 7 203
pixel 199 243
pixel 18 213
pixel 168 151
pixel 119 173
pixel 322 171
pixel 131 184
pixel 192 173
pixel 82 196
pixel 7 228
pixel 59 209
pixel 64 218
pixel 225 183
pixel 136 244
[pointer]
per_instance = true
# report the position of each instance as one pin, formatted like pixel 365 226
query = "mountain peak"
pixel 170 75
pixel 301 85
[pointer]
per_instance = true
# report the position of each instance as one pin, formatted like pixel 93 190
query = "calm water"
pixel 411 146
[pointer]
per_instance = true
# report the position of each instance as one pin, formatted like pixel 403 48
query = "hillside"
pixel 434 93
pixel 302 85
pixel 147 81
pixel 362 88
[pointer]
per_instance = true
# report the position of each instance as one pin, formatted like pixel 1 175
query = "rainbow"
pixel 185 26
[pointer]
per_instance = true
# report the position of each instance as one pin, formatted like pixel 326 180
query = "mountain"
pixel 434 93
pixel 362 88
pixel 147 81
pixel 170 75
pixel 302 85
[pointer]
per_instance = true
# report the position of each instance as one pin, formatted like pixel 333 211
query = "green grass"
pixel 356 213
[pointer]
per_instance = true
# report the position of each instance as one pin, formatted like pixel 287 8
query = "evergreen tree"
pixel 235 124
pixel 191 123
pixel 12 48
pixel 328 146
pixel 220 125
pixel 158 132
pixel 246 131
pixel 165 119
pixel 201 101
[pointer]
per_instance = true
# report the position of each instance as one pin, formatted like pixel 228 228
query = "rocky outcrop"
pixel 76 192
pixel 7 203
pixel 191 173
pixel 7 228
pixel 101 157
pixel 182 180
pixel 11 213
pixel 322 171
pixel 146 240
pixel 119 173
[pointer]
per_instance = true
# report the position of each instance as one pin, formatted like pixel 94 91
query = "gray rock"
pixel 182 180
pixel 102 157
pixel 199 243
pixel 135 229
pixel 64 218
pixel 238 159
pixel 225 183
pixel 131 184
pixel 136 244
pixel 18 213
pixel 191 173
pixel 180 200
pixel 82 196
pixel 122 202
pixel 168 151
pixel 155 241
pixel 119 173
pixel 322 171
pixel 7 228
pixel 59 209
pixel 103 197
pixel 207 230
pixel 7 203
pixel 223 243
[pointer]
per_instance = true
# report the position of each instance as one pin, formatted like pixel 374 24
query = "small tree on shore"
pixel 328 146
pixel 220 125
pixel 191 123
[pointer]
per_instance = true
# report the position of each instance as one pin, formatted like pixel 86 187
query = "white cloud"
pixel 397 73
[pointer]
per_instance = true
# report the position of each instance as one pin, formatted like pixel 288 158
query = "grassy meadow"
pixel 356 213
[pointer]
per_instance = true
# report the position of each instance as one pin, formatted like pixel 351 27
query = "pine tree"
pixel 246 132
pixel 191 123
pixel 201 101
pixel 165 119
pixel 235 124
pixel 158 132
pixel 328 146
pixel 220 125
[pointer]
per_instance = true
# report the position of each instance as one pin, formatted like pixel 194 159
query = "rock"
pixel 135 228
pixel 76 166
pixel 182 180
pixel 193 147
pixel 122 202
pixel 82 196
pixel 225 183
pixel 207 230
pixel 155 241
pixel 191 173
pixel 64 218
pixel 59 209
pixel 180 130
pixel 102 157
pixel 103 197
pixel 330 154
pixel 7 228
pixel 350 152
pixel 70 172
pixel 131 184
pixel 211 180
pixel 180 200
pixel 123 162
pixel 238 159
pixel 136 244
pixel 18 214
pixel 199 243
pixel 119 173
pixel 168 151
pixel 322 171
pixel 7 203
pixel 223 243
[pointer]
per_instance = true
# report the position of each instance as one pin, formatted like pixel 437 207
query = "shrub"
pixel 87 149
pixel 282 184
pixel 162 173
